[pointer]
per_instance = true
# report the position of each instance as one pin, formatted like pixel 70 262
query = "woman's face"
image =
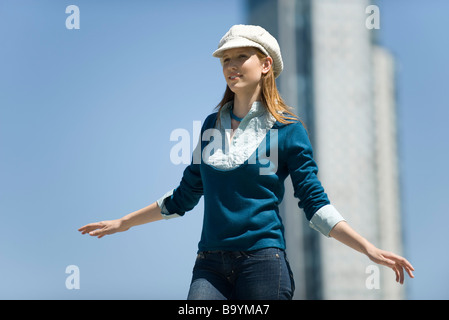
pixel 243 69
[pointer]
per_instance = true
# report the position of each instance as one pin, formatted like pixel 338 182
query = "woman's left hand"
pixel 394 261
pixel 345 234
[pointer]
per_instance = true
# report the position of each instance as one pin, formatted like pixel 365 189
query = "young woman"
pixel 246 151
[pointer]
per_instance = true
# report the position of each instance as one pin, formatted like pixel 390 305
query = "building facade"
pixel 341 83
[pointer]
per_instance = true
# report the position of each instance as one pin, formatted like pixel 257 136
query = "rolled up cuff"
pixel 161 203
pixel 325 219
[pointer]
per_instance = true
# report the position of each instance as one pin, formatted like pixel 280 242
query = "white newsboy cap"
pixel 252 36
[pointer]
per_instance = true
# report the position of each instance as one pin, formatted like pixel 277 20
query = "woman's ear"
pixel 267 64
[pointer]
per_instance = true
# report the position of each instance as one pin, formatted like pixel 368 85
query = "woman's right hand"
pixel 148 214
pixel 102 228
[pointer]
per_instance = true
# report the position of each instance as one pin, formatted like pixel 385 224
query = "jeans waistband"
pixel 232 254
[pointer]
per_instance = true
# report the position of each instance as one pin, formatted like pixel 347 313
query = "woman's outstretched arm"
pixel 345 234
pixel 145 215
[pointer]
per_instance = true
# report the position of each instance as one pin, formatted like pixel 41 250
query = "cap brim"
pixel 237 43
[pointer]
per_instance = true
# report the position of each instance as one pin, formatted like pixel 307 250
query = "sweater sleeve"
pixel 186 196
pixel 303 170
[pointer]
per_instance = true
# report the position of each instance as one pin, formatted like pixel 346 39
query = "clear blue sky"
pixel 85 121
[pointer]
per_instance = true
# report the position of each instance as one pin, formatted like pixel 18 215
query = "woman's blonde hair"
pixel 270 96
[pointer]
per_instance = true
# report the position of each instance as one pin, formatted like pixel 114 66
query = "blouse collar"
pixel 246 138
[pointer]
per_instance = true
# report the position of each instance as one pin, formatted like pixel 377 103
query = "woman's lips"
pixel 234 76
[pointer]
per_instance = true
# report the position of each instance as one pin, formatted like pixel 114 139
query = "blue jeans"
pixel 262 274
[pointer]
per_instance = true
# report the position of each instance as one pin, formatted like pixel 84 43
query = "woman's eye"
pixel 241 56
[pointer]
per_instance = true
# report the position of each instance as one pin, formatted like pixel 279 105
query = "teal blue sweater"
pixel 241 201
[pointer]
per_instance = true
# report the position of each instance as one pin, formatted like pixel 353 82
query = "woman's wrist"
pixel 366 247
pixel 348 236
pixel 125 223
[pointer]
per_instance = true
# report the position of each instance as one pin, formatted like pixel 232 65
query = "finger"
pixel 90 227
pixel 401 274
pixel 84 228
pixel 394 258
pixel 408 268
pixel 397 273
pixel 388 262
pixel 404 263
pixel 409 271
pixel 94 225
pixel 98 232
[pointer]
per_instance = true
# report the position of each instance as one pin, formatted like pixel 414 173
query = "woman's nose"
pixel 232 65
